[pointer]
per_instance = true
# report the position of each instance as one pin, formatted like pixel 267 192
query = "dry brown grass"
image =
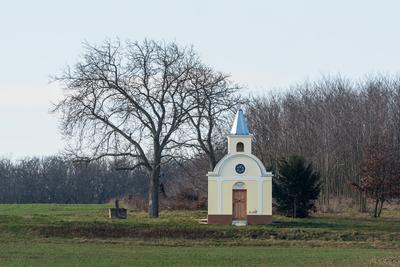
pixel 347 205
pixel 178 202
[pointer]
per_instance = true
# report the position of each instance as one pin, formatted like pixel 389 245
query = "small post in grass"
pixel 117 212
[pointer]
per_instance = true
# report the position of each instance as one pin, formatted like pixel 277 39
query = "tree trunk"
pixel 294 207
pixel 363 202
pixel 211 155
pixel 376 208
pixel 212 161
pixel 154 192
pixel 380 207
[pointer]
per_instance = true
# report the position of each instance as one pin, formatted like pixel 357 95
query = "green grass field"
pixel 82 235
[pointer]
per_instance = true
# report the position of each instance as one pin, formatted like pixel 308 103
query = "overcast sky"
pixel 264 45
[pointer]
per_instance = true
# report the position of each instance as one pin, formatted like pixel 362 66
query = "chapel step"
pixel 239 222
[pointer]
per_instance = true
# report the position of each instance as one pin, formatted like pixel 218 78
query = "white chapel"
pixel 239 187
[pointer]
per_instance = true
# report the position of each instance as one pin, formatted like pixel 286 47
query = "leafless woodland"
pixel 329 122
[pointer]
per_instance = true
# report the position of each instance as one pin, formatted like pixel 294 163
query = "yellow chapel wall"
pixel 267 197
pixel 234 139
pixel 228 170
pixel 252 196
pixel 252 169
pixel 212 197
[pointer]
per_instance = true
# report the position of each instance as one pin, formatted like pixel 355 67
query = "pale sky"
pixel 265 45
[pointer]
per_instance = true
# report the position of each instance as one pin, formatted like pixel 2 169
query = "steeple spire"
pixel 239 126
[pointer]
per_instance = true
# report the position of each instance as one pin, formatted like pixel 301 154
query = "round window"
pixel 240 168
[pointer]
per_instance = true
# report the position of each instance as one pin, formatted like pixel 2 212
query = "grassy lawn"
pixel 98 254
pixel 82 235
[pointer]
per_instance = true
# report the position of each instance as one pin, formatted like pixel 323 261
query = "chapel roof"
pixel 239 126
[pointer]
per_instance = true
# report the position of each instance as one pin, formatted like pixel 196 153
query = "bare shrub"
pixel 336 205
pixel 136 203
pixel 184 200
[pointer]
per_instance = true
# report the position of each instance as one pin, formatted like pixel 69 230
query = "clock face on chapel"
pixel 240 168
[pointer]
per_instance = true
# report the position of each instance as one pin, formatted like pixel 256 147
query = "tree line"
pixel 56 179
pixel 348 131
pixel 332 123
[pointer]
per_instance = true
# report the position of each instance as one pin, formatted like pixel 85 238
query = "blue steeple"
pixel 239 126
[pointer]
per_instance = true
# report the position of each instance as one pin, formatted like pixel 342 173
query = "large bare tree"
pixel 130 100
pixel 217 98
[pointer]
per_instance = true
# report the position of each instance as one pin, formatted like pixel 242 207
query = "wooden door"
pixel 239 199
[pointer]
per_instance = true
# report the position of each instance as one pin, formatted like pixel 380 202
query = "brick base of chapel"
pixel 259 219
pixel 251 219
pixel 219 219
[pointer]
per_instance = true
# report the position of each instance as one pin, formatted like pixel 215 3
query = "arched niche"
pixel 239 147
pixel 239 185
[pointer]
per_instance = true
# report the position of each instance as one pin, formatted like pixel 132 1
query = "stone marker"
pixel 117 212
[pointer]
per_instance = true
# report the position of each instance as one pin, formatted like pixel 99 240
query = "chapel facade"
pixel 239 187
